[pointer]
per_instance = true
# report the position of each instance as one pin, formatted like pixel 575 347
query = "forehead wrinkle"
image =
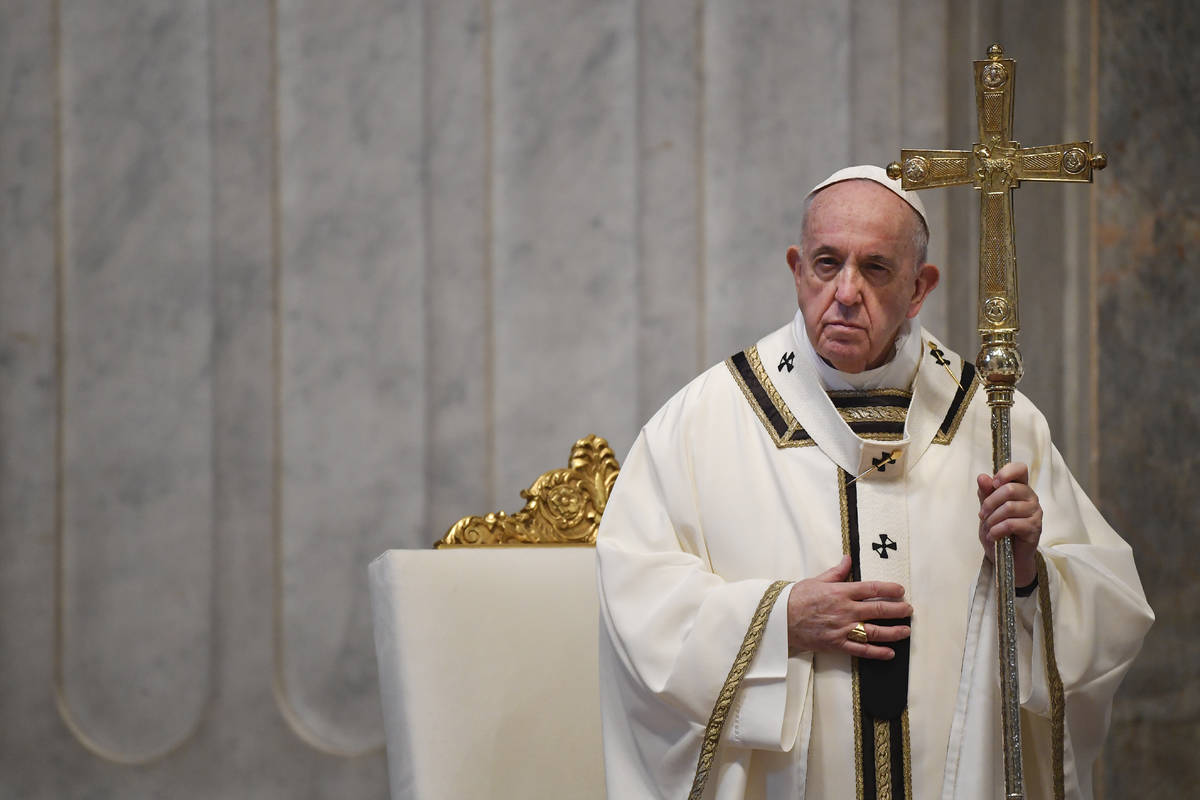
pixel 823 246
pixel 835 201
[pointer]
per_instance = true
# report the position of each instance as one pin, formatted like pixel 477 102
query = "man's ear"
pixel 793 259
pixel 927 278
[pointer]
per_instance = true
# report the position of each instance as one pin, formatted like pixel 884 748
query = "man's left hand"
pixel 1009 507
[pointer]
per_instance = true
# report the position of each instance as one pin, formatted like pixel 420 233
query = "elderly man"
pixel 795 601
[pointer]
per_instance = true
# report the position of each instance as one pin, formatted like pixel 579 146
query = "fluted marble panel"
pixel 137 400
pixel 564 256
pixel 776 122
pixel 28 719
pixel 879 84
pixel 1032 33
pixel 1077 393
pixel 458 267
pixel 352 300
pixel 670 200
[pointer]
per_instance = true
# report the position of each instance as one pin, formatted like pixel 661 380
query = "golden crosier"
pixel 562 507
pixel 995 166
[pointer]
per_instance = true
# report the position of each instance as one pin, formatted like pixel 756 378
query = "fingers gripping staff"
pixel 1008 507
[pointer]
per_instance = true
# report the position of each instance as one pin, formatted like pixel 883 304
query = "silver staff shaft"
pixel 1000 363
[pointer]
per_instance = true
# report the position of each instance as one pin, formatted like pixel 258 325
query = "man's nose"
pixel 849 285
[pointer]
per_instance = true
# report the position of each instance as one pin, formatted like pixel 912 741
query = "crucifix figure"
pixel 995 166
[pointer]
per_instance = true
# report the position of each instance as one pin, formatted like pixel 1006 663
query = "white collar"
pixel 898 373
pixel 795 388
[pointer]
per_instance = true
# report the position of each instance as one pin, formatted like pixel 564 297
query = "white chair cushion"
pixel 487 665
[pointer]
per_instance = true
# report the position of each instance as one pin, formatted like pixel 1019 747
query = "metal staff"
pixel 996 165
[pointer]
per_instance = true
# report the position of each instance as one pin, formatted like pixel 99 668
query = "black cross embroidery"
pixel 786 361
pixel 882 462
pixel 939 355
pixel 883 545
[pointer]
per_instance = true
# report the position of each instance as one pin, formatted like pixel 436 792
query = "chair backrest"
pixel 487 647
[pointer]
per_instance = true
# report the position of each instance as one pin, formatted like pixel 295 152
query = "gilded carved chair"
pixel 487 647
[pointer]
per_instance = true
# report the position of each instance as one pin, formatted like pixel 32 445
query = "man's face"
pixel 857 279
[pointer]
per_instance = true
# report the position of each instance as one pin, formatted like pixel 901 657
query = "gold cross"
pixel 995 166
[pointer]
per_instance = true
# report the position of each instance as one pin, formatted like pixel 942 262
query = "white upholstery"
pixel 487 664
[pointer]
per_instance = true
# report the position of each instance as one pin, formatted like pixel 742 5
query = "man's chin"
pixel 844 362
pixel 844 356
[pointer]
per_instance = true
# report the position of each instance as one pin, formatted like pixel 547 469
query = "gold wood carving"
pixel 563 506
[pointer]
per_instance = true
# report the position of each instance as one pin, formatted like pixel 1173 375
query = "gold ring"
pixel 858 633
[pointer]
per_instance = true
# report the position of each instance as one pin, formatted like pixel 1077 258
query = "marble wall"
pixel 289 282
pixel 1148 348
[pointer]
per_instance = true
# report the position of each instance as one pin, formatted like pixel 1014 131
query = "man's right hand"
pixel 823 610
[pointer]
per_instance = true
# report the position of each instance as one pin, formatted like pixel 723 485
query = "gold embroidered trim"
pixel 841 480
pixel 881 437
pixel 873 414
pixel 764 378
pixel 883 759
pixel 883 412
pixel 841 393
pixel 907 755
pixel 857 708
pixel 1054 679
pixel 760 373
pixel 854 698
pixel 716 722
pixel 945 438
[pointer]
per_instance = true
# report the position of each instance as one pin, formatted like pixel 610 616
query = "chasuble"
pixel 754 476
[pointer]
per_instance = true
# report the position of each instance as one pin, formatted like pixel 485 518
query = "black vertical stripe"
pixel 852 524
pixel 866 674
pixel 867 767
pixel 896 729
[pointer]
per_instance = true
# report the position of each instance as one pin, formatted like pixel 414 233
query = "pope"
pixel 793 595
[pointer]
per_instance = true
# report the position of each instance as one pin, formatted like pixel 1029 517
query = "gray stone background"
pixel 289 282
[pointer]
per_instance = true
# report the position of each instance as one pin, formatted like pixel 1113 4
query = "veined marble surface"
pixel 352 275
pixel 136 419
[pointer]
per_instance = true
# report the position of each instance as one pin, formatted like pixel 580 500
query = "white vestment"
pixel 741 482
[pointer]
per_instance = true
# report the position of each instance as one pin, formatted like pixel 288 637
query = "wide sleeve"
pixel 1090 615
pixel 672 628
